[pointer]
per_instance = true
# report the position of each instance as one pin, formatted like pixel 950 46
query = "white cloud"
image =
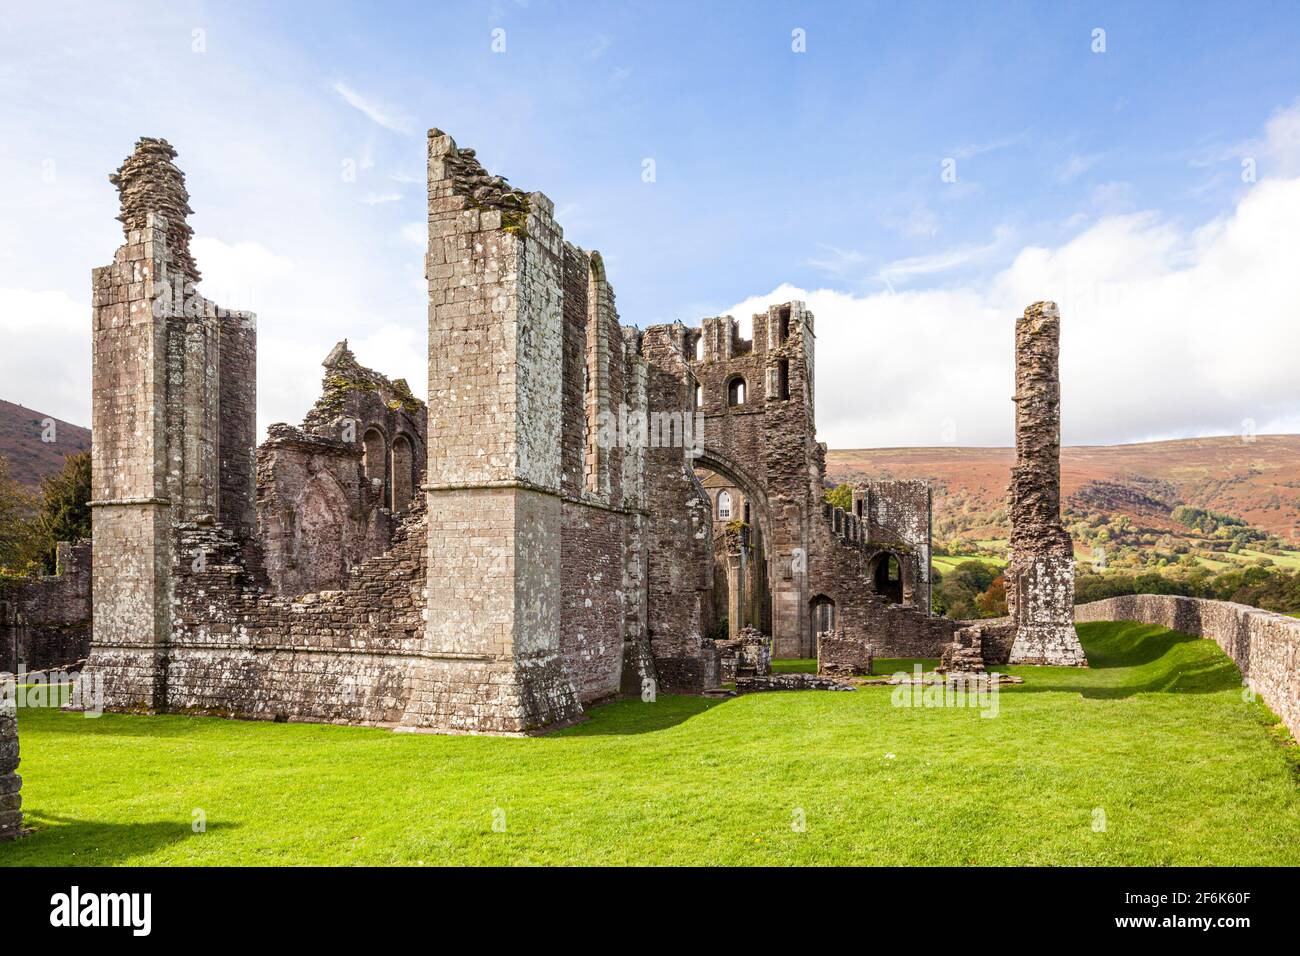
pixel 977 149
pixel 376 112
pixel 1075 166
pixel 378 199
pixel 298 321
pixel 45 364
pixel 1167 332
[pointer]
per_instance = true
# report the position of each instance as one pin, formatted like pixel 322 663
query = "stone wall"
pixel 1265 645
pixel 329 494
pixel 765 442
pixel 679 530
pixel 896 520
pixel 343 656
pixel 842 656
pixel 45 622
pixel 762 446
pixel 11 800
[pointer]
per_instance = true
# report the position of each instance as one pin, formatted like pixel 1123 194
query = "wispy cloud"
pixel 920 222
pixel 598 48
pixel 1076 166
pixel 378 199
pixel 947 260
pixel 854 266
pixel 375 112
pixel 975 149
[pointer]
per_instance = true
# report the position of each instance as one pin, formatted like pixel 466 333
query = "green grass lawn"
pixel 880 666
pixel 949 562
pixel 1156 736
pixel 1287 559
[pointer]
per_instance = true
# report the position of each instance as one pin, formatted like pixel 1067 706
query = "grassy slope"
pixel 1156 734
pixel 948 562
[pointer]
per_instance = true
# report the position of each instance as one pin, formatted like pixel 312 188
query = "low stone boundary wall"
pixel 11 801
pixel 1265 645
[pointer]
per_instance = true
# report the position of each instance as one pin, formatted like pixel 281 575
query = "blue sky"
pixel 1111 181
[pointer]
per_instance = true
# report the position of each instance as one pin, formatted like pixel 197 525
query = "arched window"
pixel 374 460
pixel 888 577
pixel 699 347
pixel 724 505
pixel 823 615
pixel 402 482
pixel 699 395
pixel 736 391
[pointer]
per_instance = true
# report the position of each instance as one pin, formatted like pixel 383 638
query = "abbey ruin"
pixel 582 508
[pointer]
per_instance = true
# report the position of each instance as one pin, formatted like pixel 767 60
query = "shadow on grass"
pixel 96 843
pixel 1126 659
pixel 633 716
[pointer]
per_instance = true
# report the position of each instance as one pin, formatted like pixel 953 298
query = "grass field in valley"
pixel 1156 736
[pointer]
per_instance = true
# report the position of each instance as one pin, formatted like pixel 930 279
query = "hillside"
pixel 1145 495
pixel 31 459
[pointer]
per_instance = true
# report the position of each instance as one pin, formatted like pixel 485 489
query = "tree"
pixel 18 549
pixel 841 496
pixel 64 512
pixel 993 602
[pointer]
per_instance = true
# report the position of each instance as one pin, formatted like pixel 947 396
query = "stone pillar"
pixel 492 638
pixel 1040 576
pixel 131 453
pixel 155 456
pixel 11 801
pixel 735 590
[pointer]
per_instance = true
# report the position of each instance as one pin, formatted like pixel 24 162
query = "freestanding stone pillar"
pixel 494 663
pixel 175 388
pixel 1040 577
pixel 11 801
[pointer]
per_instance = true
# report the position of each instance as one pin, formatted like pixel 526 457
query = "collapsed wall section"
pixel 45 622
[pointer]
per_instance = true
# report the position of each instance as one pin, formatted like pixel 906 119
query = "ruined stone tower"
pixel 495 334
pixel 173 423
pixel 1040 576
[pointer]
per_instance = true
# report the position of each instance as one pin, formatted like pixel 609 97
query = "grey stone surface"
pixel 1040 574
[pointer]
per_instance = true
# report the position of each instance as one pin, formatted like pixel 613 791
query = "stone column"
pixel 494 443
pixel 11 801
pixel 156 368
pixel 1040 576
pixel 735 588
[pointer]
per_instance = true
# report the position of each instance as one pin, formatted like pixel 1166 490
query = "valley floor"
pixel 1152 756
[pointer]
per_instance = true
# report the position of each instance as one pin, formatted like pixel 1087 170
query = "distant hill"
pixel 1156 485
pixel 31 459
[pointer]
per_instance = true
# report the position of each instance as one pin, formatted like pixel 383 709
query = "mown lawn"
pixel 1156 737
pixel 948 562
pixel 880 666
